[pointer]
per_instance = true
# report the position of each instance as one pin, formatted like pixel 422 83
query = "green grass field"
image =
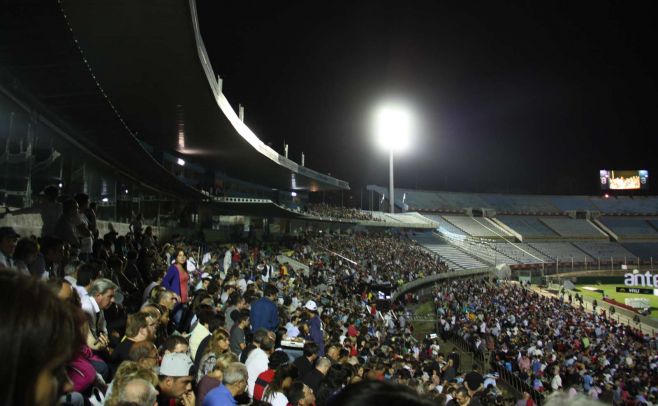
pixel 612 293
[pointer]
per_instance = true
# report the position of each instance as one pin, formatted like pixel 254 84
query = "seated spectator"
pixel 145 354
pixel 306 362
pixel 275 392
pixel 234 384
pixel 175 380
pixel 218 344
pixel 276 360
pixel 214 378
pixel 317 374
pixel 32 315
pixel 176 344
pixel 139 328
pixel 138 391
pixel 8 241
pixel 258 359
pixel 300 394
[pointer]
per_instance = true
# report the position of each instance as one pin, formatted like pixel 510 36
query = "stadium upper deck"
pixel 454 202
pixel 107 82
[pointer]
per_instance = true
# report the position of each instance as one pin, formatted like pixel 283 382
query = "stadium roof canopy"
pixel 151 61
pixel 124 71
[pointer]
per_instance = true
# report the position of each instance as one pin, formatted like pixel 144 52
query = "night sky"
pixel 508 97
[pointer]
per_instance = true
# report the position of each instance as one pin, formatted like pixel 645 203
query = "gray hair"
pixel 235 372
pixel 100 286
pixel 139 391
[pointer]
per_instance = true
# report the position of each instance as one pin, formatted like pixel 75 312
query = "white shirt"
pixel 277 399
pixel 88 303
pixel 198 334
pixel 256 364
pixel 5 261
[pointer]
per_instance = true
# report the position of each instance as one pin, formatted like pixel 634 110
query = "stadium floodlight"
pixel 393 126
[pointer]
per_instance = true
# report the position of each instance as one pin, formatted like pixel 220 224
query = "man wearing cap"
pixel 264 313
pixel 8 240
pixel 315 325
pixel 175 381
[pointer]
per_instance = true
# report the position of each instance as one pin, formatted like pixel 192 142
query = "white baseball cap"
pixel 311 305
pixel 176 365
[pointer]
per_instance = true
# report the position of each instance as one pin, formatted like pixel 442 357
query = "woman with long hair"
pixel 39 335
pixel 275 392
pixel 218 344
pixel 177 277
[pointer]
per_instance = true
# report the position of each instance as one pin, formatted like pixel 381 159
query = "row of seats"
pixel 477 227
pixel 418 200
pixel 573 228
pixel 453 256
pixel 630 228
pixel 521 253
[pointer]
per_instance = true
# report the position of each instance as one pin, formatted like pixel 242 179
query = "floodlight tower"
pixel 393 130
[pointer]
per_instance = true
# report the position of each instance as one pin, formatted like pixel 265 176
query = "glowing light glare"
pixel 180 162
pixel 105 200
pixel 393 127
pixel 293 194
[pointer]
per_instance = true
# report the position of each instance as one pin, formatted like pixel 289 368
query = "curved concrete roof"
pixel 150 60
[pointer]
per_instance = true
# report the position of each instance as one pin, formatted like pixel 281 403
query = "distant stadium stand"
pixel 445 226
pixel 477 227
pixel 453 256
pixel 573 228
pixel 639 205
pixel 528 226
pixel 605 250
pixel 561 251
pixel 520 204
pixel 630 228
pixel 521 252
pixel 644 250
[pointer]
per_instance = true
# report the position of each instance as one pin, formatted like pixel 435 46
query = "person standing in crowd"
pixel 176 280
pixel 66 227
pixel 8 241
pixel 306 362
pixel 264 312
pixel 315 325
pixel 237 337
pixel 50 210
pixel 85 234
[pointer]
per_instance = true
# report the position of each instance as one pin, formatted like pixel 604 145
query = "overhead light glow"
pixel 293 194
pixel 180 162
pixel 393 127
pixel 105 200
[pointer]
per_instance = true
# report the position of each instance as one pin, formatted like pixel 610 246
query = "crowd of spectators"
pixel 341 213
pixel 132 320
pixel 550 344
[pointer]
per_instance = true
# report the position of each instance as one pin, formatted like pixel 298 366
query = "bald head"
pixel 138 391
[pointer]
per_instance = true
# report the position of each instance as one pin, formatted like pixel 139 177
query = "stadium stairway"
pixel 453 256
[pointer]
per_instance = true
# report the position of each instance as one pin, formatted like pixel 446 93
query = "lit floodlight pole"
pixel 392 129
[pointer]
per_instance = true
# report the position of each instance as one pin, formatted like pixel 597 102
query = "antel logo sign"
pixel 638 279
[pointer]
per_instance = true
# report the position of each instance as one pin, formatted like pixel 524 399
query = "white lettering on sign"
pixel 638 279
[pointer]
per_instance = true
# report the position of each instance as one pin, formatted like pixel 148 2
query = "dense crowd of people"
pixel 132 320
pixel 550 344
pixel 337 212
